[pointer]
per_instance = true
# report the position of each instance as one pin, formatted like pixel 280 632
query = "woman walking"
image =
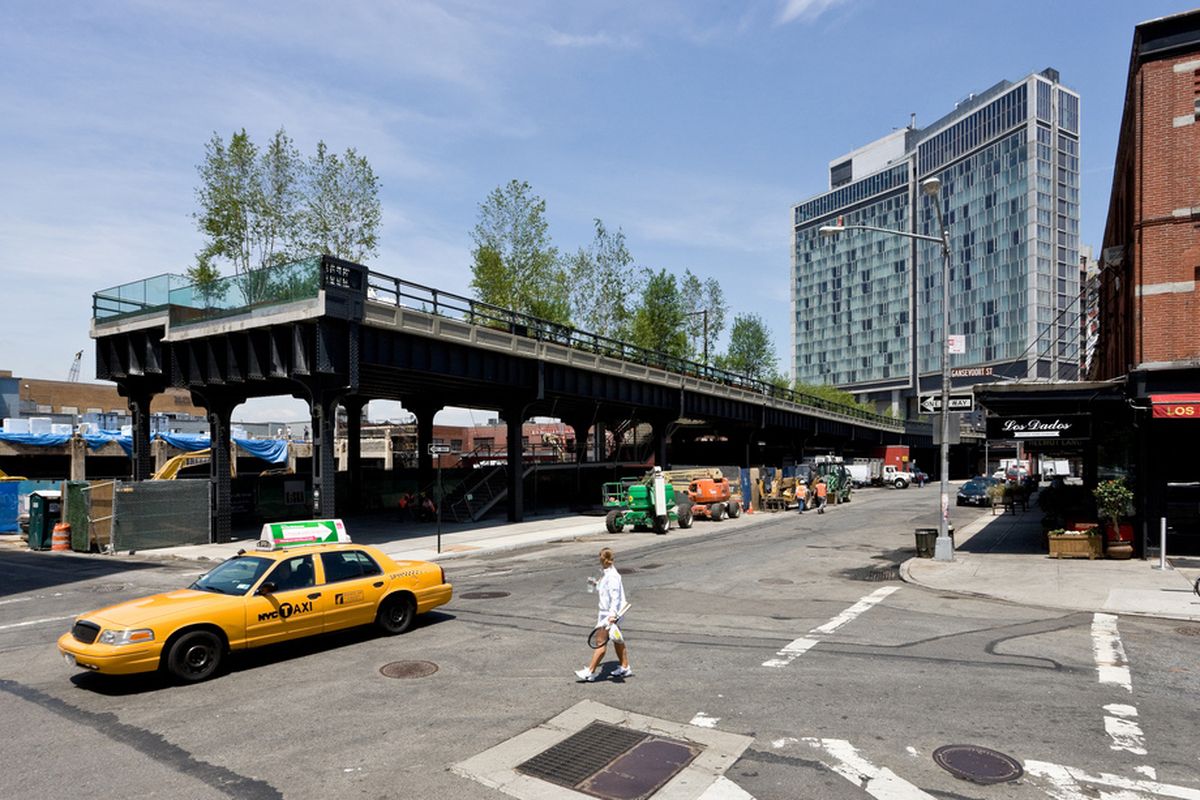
pixel 611 593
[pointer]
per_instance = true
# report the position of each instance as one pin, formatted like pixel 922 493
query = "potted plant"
pixel 1075 544
pixel 1113 500
pixel 995 494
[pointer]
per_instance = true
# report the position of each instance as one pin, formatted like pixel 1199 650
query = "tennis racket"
pixel 597 637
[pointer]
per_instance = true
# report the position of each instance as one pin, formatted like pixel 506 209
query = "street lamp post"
pixel 943 549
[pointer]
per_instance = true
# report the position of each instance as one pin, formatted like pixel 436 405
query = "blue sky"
pixel 693 126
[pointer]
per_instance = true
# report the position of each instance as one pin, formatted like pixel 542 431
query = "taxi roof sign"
pixel 277 535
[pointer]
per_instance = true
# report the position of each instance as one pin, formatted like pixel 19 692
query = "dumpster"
pixel 927 541
pixel 45 511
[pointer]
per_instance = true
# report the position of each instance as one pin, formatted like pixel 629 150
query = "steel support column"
pixel 514 419
pixel 659 443
pixel 424 411
pixel 219 406
pixel 323 407
pixel 139 411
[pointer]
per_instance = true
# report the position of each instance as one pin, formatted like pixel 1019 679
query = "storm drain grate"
pixel 1188 630
pixel 889 573
pixel 977 764
pixel 611 762
pixel 483 595
pixel 408 669
pixel 774 581
pixel 582 755
pixel 108 588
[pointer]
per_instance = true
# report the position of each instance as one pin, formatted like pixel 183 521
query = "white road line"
pixel 702 720
pixel 1111 664
pixel 879 782
pixel 35 622
pixel 799 647
pixel 1068 782
pixel 855 610
pixel 1122 727
pixel 15 600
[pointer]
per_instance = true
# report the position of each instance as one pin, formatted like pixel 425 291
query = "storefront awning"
pixel 1175 406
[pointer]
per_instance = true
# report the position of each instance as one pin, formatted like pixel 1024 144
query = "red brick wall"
pixel 1168 248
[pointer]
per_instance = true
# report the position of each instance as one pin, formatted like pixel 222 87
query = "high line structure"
pixel 335 333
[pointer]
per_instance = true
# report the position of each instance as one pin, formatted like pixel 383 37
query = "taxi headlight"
pixel 130 636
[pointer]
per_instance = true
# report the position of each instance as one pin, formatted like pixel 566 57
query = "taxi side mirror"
pixel 267 588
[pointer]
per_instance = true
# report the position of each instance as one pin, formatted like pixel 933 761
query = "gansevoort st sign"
pixel 1043 427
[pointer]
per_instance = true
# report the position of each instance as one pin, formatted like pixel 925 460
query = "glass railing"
pixel 234 294
pixel 137 297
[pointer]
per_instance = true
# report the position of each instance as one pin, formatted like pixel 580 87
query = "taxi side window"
pixel 293 573
pixel 369 567
pixel 340 566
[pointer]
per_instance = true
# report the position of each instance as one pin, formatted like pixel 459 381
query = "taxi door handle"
pixel 314 595
pixel 377 584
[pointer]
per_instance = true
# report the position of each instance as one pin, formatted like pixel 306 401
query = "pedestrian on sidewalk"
pixel 801 494
pixel 611 591
pixel 822 491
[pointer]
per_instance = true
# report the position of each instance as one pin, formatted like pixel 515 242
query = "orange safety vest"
pixel 821 489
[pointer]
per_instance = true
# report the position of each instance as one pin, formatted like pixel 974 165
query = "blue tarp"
pixel 273 451
pixel 36 439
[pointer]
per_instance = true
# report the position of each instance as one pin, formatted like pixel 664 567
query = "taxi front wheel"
pixel 396 615
pixel 195 656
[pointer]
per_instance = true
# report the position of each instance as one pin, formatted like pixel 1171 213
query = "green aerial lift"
pixel 645 503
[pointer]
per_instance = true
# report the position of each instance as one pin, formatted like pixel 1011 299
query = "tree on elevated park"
pixel 751 351
pixel 700 296
pixel 261 208
pixel 514 264
pixel 660 322
pixel 605 286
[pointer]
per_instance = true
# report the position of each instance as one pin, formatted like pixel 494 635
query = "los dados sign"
pixel 1048 427
pixel 1176 406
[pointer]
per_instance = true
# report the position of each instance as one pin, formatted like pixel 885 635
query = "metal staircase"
pixel 470 500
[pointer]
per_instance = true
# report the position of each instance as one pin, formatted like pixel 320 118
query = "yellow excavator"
pixel 170 470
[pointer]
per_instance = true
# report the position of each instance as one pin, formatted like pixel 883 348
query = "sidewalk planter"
pixel 1075 545
pixel 1114 500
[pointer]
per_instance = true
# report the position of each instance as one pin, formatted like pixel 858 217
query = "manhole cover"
pixel 408 669
pixel 774 581
pixel 482 595
pixel 628 570
pixel 977 764
pixel 108 588
pixel 890 573
pixel 1187 630
pixel 650 566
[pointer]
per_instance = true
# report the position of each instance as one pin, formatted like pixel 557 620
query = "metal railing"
pixel 417 297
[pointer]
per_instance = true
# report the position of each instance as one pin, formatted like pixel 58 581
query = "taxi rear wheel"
pixel 396 615
pixel 195 656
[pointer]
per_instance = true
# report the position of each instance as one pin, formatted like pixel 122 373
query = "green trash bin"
pixel 45 511
pixel 927 541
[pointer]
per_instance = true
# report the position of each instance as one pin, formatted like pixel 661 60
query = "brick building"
pixel 1150 262
pixel 38 397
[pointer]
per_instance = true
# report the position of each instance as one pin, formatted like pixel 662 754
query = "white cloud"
pixel 557 38
pixel 806 10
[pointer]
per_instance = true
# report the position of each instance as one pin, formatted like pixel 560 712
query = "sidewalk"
pixel 1004 558
pixel 418 541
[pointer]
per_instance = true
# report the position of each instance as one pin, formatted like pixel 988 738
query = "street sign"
pixel 438 449
pixel 932 403
pixel 970 372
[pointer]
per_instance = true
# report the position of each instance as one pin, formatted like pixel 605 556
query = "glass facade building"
pixel 867 306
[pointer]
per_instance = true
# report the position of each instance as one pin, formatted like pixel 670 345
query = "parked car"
pixel 974 492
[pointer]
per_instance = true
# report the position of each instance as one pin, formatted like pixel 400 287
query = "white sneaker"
pixel 586 675
pixel 623 672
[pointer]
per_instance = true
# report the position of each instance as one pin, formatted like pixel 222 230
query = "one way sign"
pixel 932 403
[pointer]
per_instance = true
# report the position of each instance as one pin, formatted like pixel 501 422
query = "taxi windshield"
pixel 234 576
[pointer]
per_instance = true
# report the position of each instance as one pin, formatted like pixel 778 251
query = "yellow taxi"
pixel 304 578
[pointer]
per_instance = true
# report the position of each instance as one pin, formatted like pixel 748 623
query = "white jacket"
pixel 611 593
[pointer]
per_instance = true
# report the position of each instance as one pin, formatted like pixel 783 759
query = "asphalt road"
pixel 861 689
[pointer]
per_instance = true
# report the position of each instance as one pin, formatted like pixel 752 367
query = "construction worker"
pixel 822 490
pixel 801 494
